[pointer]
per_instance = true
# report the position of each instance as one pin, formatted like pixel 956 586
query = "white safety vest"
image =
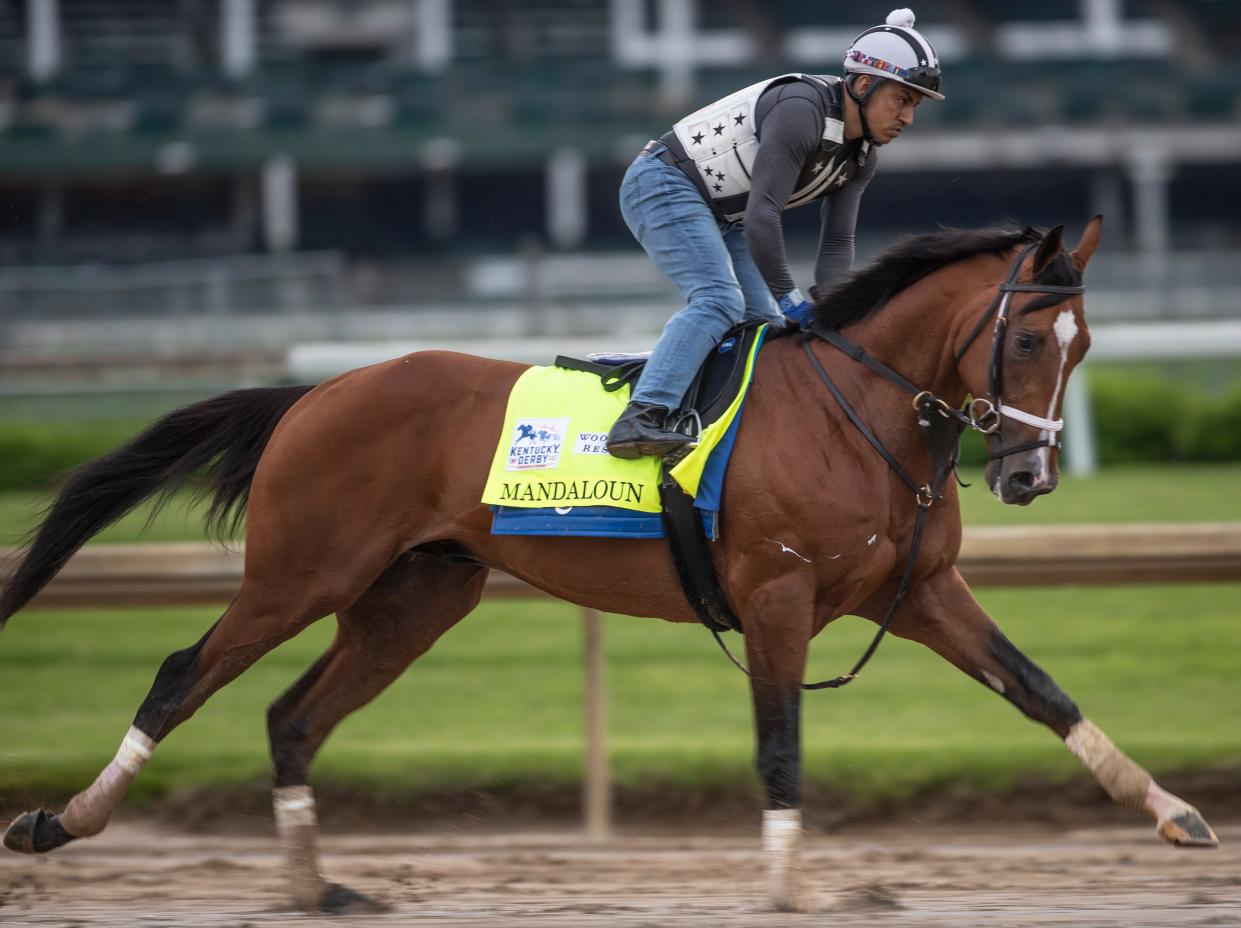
pixel 721 139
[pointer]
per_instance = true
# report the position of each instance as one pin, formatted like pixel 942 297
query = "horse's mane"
pixel 914 257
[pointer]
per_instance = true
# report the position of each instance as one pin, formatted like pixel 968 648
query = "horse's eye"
pixel 1024 342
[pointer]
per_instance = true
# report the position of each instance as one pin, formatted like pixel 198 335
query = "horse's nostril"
pixel 1022 480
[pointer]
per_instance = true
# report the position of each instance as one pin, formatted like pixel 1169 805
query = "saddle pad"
pixel 551 451
pixel 552 458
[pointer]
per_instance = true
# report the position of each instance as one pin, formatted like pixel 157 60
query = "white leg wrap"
pixel 88 812
pixel 1126 782
pixel 782 853
pixel 298 827
pixel 294 805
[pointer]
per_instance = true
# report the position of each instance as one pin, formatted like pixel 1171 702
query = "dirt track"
pixel 915 876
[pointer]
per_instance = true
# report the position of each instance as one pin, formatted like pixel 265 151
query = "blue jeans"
pixel 709 263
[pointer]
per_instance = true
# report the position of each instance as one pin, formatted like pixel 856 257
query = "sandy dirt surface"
pixel 142 875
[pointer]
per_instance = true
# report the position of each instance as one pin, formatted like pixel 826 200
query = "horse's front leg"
pixel 942 614
pixel 777 635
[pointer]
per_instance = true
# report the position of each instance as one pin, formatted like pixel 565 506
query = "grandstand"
pixel 400 140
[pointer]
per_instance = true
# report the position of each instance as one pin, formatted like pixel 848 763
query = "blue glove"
pixel 796 308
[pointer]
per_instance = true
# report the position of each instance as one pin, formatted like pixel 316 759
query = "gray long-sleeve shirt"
pixel 789 118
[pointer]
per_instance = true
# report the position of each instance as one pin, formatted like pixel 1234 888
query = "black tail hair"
pixel 224 435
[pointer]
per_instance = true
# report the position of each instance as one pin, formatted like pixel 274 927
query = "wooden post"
pixel 597 799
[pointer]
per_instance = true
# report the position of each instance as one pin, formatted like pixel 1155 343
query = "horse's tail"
pixel 225 435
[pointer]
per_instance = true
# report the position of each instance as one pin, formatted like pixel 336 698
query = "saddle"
pixel 710 394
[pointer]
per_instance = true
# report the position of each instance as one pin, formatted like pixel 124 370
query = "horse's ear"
pixel 1049 250
pixel 1088 242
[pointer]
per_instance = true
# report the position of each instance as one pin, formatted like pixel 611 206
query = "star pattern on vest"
pixel 698 139
pixel 709 172
pixel 718 130
pixel 818 167
pixel 717 187
pixel 739 119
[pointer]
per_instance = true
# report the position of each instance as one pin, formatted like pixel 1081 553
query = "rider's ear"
pixel 1088 242
pixel 1053 244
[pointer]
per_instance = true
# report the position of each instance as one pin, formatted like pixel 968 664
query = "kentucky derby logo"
pixel 535 443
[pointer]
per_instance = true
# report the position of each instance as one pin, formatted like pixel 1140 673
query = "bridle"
pixel 940 424
pixel 986 413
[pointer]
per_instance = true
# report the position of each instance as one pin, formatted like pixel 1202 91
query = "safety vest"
pixel 720 141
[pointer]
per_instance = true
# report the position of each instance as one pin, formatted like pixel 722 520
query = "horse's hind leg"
pixel 942 614
pixel 395 621
pixel 261 616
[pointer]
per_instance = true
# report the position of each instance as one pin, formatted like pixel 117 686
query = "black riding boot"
pixel 640 430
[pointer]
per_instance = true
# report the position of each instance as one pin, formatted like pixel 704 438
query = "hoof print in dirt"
pixel 36 833
pixel 1189 829
pixel 341 900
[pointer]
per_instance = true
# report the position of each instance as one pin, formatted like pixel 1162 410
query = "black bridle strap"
pixel 979 326
pixel 856 420
pixel 858 353
pixel 1024 446
pixel 1010 285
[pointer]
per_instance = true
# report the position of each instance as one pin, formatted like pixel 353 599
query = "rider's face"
pixel 891 110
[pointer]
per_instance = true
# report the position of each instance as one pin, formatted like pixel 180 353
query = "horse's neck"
pixel 915 334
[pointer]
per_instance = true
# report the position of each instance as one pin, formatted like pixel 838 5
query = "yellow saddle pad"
pixel 552 452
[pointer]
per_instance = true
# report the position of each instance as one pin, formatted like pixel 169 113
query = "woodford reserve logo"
pixel 575 491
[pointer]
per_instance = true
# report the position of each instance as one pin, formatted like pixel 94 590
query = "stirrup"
pixel 689 423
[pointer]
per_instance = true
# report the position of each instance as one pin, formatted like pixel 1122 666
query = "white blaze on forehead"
pixel 1066 329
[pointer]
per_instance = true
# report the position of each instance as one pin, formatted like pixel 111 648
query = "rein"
pixel 941 424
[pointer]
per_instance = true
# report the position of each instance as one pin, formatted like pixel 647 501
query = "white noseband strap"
pixel 1051 425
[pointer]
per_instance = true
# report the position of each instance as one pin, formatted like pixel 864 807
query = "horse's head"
pixel 1018 376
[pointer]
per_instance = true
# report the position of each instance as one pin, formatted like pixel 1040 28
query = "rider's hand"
pixel 796 308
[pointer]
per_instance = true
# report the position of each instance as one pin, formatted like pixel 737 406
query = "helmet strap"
pixel 861 100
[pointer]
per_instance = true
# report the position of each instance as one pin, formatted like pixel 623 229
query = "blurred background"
pixel 202 194
pixel 192 186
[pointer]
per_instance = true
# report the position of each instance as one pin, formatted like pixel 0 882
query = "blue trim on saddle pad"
pixel 583 521
pixel 711 487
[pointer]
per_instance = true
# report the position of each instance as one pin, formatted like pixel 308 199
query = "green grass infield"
pixel 499 701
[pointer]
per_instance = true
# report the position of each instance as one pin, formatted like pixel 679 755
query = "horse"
pixel 362 496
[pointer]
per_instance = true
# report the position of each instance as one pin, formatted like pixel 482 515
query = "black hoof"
pixel 1189 829
pixel 36 833
pixel 341 900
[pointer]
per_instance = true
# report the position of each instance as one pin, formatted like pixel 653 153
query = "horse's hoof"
pixel 1188 829
pixel 36 833
pixel 341 900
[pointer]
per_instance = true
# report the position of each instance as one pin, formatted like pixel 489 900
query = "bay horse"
pixel 363 500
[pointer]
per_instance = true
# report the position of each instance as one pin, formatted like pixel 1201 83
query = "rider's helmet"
pixel 894 52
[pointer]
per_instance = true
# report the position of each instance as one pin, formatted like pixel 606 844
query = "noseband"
pixel 986 413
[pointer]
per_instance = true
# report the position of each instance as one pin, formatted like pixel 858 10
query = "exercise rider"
pixel 706 200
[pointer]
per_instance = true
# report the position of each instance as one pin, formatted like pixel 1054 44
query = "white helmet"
pixel 896 52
